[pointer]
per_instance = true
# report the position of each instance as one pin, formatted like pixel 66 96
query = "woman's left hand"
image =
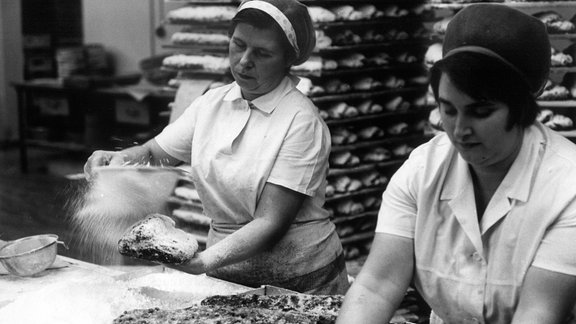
pixel 196 265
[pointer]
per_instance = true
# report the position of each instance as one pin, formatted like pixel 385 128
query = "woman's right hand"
pixel 102 158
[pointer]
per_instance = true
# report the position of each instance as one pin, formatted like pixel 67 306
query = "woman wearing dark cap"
pixel 259 156
pixel 481 219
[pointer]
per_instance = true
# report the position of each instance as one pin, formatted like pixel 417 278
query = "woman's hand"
pixel 149 153
pixel 102 158
pixel 197 265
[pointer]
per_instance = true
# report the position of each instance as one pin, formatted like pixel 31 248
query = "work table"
pixel 74 291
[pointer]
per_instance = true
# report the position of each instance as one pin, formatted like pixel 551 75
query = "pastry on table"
pixel 346 37
pixel 424 100
pixel 393 82
pixel 341 136
pixel 344 230
pixel 347 13
pixel 397 129
pixel 369 11
pixel 371 202
pixel 197 62
pixel 315 65
pixel 323 41
pixel 366 84
pixel 353 61
pixel 406 57
pixel 349 207
pixel 370 132
pixel 560 122
pixel 420 9
pixel 372 36
pixel 368 106
pixel 396 34
pixel 419 80
pixel 320 14
pixel 343 159
pixel 341 110
pixel 560 58
pixel 394 11
pixel 544 115
pixel 355 185
pixel 419 126
pixel 553 91
pixel 555 23
pixel 330 190
pixel 377 154
pixel 402 150
pixel 157 239
pixel 192 14
pixel 345 184
pixel 379 59
pixel 341 183
pixel 336 85
pixel 396 104
pixel 373 178
pixel 192 38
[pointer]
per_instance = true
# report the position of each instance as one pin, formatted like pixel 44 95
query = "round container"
pixel 29 255
pixel 151 182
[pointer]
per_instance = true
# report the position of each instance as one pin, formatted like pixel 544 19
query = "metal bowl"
pixel 29 255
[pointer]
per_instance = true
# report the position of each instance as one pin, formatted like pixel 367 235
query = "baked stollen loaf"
pixel 157 239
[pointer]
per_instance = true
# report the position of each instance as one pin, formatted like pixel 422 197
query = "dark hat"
pixel 506 34
pixel 298 28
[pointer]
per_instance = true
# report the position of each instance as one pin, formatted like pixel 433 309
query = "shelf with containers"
pixel 366 76
pixel 558 101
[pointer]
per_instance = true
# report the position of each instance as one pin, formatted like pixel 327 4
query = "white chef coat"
pixel 471 272
pixel 235 147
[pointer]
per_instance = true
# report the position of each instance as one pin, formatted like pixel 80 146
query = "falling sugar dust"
pixel 113 201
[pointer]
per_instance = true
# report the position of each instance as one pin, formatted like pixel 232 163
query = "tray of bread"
pixel 267 304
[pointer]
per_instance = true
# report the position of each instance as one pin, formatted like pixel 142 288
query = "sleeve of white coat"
pixel 176 138
pixel 302 162
pixel 397 214
pixel 557 251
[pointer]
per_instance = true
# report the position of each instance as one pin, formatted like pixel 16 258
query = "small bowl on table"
pixel 30 255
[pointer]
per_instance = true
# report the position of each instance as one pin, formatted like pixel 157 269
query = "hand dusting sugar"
pixel 117 198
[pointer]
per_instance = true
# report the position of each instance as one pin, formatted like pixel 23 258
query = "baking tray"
pixel 268 290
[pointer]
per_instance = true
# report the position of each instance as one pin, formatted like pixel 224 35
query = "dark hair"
pixel 484 78
pixel 262 20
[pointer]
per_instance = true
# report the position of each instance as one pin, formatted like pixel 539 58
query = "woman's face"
pixel 257 60
pixel 478 128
